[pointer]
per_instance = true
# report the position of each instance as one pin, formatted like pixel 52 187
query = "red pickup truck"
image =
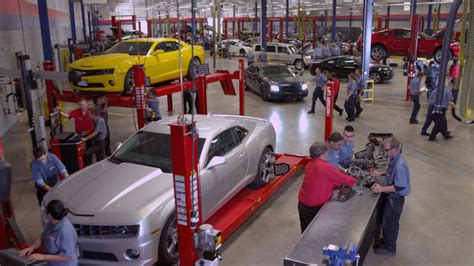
pixel 396 41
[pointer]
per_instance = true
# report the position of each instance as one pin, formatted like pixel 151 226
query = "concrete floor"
pixel 436 224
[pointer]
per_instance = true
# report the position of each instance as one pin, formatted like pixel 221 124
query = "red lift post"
pixel 329 110
pixel 415 25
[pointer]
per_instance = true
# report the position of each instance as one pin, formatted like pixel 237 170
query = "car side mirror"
pixel 118 145
pixel 215 161
pixel 158 52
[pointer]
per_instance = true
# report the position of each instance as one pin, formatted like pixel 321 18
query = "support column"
pixel 428 20
pixel 286 17
pixel 367 37
pixel 45 34
pixel 387 19
pixel 334 5
pixel 83 22
pixel 73 21
pixel 350 20
pixel 219 9
pixel 264 24
pixel 281 30
pixel 255 25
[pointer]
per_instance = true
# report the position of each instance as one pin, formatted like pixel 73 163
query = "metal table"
pixel 337 223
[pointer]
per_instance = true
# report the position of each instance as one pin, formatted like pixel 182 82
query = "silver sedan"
pixel 123 207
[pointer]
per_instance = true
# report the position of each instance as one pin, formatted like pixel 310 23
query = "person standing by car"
pixel 317 52
pixel 318 92
pixel 45 169
pixel 250 58
pixel 453 76
pixel 102 103
pixel 360 92
pixel 262 57
pixel 320 179
pixel 326 52
pixel 58 239
pixel 351 98
pixel 431 74
pixel 441 124
pixel 83 123
pixel 97 138
pixel 415 84
pixel 336 51
pixel 396 187
pixel 335 92
pixel 347 149
pixel 154 103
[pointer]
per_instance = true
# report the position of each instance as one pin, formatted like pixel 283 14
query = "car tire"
pixel 439 53
pixel 266 170
pixel 242 52
pixel 312 70
pixel 299 64
pixel 128 82
pixel 168 246
pixel 190 74
pixel 264 96
pixel 376 77
pixel 378 52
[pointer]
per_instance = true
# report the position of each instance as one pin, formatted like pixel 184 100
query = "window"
pixel 283 50
pixel 222 144
pixel 240 133
pixel 167 46
pixel 151 149
pixel 132 48
pixel 257 48
pixel 270 49
pixel 402 34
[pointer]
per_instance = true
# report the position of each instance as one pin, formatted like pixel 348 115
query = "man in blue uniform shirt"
pixel 334 144
pixel 44 171
pixel 431 73
pixel 396 187
pixel 347 149
pixel 441 124
pixel 318 93
pixel 326 51
pixel 360 92
pixel 415 84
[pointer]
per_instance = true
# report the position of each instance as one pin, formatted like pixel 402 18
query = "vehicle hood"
pixel 106 187
pixel 104 61
pixel 284 80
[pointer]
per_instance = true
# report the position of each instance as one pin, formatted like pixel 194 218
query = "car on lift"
pixel 283 53
pixel 345 64
pixel 237 47
pixel 112 71
pixel 123 207
pixel 275 81
pixel 396 41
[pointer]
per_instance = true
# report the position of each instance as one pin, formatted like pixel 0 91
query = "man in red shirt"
pixel 83 122
pixel 320 179
pixel 335 92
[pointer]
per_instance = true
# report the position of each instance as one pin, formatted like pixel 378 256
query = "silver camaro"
pixel 123 207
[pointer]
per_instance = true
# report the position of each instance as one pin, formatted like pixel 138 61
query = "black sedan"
pixel 344 65
pixel 275 81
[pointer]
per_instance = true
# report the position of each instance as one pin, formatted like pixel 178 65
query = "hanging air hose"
pixel 466 105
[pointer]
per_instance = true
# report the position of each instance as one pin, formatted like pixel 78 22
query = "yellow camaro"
pixel 112 71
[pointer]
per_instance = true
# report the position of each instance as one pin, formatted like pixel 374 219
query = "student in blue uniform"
pixel 318 93
pixel 334 144
pixel 317 52
pixel 58 239
pixel 431 73
pixel 360 92
pixel 326 51
pixel 415 84
pixel 441 124
pixel 351 98
pixel 347 148
pixel 393 192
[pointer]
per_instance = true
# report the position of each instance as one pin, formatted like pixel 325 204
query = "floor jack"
pixel 339 256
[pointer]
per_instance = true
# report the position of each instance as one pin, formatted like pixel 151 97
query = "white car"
pixel 123 207
pixel 237 47
pixel 283 53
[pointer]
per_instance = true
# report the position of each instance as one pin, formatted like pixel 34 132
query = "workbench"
pixel 337 223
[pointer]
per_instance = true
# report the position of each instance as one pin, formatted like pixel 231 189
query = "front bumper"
pixel 101 83
pixel 112 251
pixel 288 95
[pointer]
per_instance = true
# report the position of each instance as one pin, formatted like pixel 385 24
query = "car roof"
pixel 151 40
pixel 207 125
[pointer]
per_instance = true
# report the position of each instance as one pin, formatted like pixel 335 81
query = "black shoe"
pixel 425 133
pixel 341 112
pixel 413 122
pixel 310 112
pixel 350 119
pixel 448 137
pixel 384 252
pixel 432 139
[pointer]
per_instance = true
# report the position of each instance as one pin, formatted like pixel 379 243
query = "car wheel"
pixel 299 64
pixel 266 170
pixel 378 52
pixel 375 76
pixel 439 53
pixel 168 246
pixel 242 52
pixel 129 82
pixel 192 73
pixel 264 96
pixel 312 70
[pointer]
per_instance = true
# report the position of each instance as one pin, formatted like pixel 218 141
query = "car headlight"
pixel 274 88
pixel 304 87
pixel 106 231
pixel 108 71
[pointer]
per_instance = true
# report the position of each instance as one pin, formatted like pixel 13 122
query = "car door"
pixel 272 55
pixel 284 55
pixel 167 61
pixel 346 66
pixel 222 181
pixel 250 78
pixel 401 42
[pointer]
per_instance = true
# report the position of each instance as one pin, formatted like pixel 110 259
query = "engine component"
pixel 345 193
pixel 368 153
pixel 364 164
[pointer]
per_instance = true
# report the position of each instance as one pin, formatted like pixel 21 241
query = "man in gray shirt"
pixel 97 138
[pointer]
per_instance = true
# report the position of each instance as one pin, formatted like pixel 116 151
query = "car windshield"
pixel 270 71
pixel 132 48
pixel 150 149
pixel 292 49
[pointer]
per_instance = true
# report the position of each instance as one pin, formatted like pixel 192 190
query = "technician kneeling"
pixel 58 239
pixel 320 179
